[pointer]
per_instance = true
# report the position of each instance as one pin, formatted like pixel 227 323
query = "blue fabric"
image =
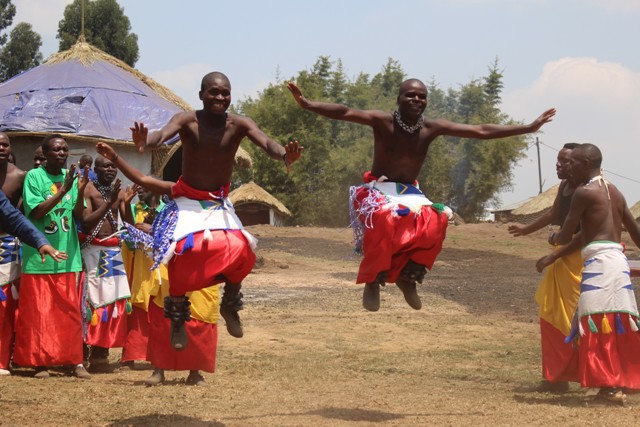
pixel 16 224
pixel 92 175
pixel 97 99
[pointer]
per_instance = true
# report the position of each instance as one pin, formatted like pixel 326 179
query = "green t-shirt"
pixel 58 225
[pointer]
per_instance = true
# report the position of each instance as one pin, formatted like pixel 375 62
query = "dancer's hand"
pixel 297 95
pixel 544 262
pixel 106 151
pixel 139 133
pixel 516 230
pixel 130 192
pixel 545 117
pixel 293 151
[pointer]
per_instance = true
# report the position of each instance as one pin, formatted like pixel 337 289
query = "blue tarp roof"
pixel 96 99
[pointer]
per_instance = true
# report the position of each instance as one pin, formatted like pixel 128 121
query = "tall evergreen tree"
pixel 21 53
pixel 493 85
pixel 7 12
pixel 105 26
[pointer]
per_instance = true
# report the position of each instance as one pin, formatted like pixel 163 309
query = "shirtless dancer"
pixel 210 138
pixel 557 295
pixel 606 319
pixel 403 230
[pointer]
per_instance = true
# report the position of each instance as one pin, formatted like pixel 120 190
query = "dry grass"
pixel 311 356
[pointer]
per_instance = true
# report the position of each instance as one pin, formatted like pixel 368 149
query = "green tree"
pixel 7 12
pixel 465 174
pixel 493 85
pixel 468 174
pixel 21 52
pixel 106 27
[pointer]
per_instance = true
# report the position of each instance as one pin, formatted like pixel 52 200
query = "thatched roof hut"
pixel 255 206
pixel 505 213
pixel 536 207
pixel 528 211
pixel 86 94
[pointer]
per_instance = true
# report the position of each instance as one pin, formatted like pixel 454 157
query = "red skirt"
pixel 200 353
pixel 49 327
pixel 226 257
pixel 609 360
pixel 7 318
pixel 137 341
pixel 111 333
pixel 559 360
pixel 394 240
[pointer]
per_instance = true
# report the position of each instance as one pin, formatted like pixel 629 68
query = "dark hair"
pixel 402 86
pixel 212 75
pixel 592 153
pixel 570 145
pixel 47 139
pixel 86 158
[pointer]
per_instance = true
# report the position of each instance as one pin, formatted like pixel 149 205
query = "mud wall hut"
pixel 254 205
pixel 529 210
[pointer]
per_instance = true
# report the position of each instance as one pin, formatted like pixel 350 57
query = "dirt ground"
pixel 312 356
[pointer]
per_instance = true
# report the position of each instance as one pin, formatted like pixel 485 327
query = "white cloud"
pixel 597 102
pixel 583 79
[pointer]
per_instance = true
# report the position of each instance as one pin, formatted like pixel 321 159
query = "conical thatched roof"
pixel 539 203
pixel 253 193
pixel 88 54
pixel 635 210
pixel 85 93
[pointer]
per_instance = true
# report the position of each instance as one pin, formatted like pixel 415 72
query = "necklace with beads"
pixel 404 126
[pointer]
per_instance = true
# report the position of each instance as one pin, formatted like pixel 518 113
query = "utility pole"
pixel 539 168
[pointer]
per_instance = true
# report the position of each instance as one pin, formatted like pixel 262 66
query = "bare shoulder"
pixel 185 117
pixel 187 114
pixel 593 193
pixel 17 172
pixel 616 194
pixel 90 189
pixel 242 125
pixel 241 121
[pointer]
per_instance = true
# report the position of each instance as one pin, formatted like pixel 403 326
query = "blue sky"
pixel 580 56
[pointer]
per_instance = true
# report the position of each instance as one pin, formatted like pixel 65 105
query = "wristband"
pixel 115 158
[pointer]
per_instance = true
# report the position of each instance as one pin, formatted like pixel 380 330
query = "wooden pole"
pixel 539 167
pixel 81 19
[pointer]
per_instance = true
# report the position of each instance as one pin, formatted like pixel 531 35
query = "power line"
pixel 606 170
